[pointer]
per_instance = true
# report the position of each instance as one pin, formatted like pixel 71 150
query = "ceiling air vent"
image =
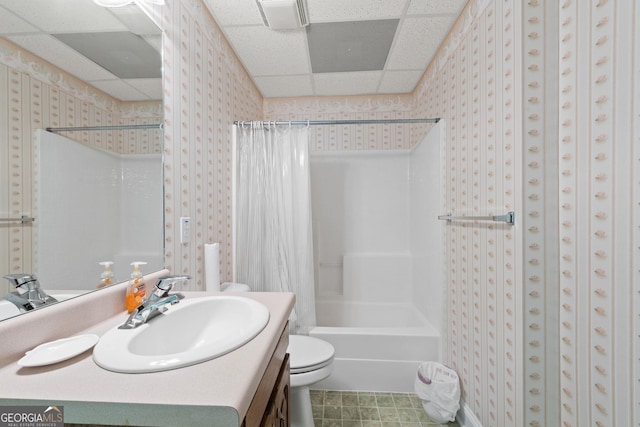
pixel 283 14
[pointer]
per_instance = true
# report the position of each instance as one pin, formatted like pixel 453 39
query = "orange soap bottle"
pixel 136 289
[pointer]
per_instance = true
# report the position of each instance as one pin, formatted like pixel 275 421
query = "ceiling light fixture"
pixel 120 3
pixel 283 14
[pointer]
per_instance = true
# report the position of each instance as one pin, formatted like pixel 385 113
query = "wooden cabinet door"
pixel 277 413
pixel 275 381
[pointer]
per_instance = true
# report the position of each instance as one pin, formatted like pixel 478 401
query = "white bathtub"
pixel 378 345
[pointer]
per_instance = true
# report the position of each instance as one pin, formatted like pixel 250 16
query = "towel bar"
pixel 509 218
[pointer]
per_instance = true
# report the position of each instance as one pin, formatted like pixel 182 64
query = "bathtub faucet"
pixel 28 294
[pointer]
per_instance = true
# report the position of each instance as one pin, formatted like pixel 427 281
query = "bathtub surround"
pixel 378 263
pixel 116 200
pixel 274 240
pixel 427 242
pixel 378 346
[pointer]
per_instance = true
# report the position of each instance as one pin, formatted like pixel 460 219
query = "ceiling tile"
pixel 235 12
pixel 155 41
pixel 265 52
pixel 284 86
pixel 354 10
pixel 350 46
pixel 10 23
pixel 60 15
pixel 362 83
pixel 119 89
pixel 122 53
pixel 61 55
pixel 417 42
pixel 399 81
pixel 421 7
pixel 152 88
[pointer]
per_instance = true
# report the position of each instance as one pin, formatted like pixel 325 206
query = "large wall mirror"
pixel 92 202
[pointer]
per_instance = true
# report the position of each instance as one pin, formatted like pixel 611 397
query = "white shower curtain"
pixel 274 242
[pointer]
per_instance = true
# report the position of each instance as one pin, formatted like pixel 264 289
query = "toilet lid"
pixel 306 353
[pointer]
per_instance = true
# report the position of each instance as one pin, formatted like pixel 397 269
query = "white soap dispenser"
pixel 106 278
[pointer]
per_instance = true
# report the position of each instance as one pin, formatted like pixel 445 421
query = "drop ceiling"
pixel 351 47
pixel 120 46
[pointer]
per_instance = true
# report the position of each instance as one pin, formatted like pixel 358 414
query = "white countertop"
pixel 213 393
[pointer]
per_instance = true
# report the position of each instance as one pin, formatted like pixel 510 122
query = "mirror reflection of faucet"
pixel 156 303
pixel 28 294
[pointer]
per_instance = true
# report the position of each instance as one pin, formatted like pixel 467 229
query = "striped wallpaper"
pixel 474 83
pixel 599 211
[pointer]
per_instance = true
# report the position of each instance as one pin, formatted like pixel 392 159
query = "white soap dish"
pixel 56 351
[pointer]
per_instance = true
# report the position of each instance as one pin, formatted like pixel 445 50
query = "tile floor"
pixel 368 409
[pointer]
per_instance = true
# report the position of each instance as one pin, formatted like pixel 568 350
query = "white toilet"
pixel 310 361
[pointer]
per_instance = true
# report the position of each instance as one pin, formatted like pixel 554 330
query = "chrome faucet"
pixel 156 303
pixel 28 294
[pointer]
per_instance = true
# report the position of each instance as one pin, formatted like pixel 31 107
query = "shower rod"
pixel 114 127
pixel 341 122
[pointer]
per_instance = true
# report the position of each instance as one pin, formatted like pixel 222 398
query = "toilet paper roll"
pixel 212 266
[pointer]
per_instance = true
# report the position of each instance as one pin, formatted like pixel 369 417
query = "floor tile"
pixel 368 409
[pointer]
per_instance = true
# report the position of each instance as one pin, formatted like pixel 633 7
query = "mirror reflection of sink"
pixel 7 309
pixel 190 332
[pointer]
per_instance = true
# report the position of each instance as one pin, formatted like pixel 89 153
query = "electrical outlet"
pixel 185 229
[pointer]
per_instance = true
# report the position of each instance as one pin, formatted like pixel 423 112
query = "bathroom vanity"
pixel 246 387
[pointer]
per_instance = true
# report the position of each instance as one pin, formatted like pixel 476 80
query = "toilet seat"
pixel 307 354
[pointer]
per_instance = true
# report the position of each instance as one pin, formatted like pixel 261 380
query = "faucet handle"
pixel 21 279
pixel 165 284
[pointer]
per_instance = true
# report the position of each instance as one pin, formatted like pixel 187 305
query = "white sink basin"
pixel 7 309
pixel 190 332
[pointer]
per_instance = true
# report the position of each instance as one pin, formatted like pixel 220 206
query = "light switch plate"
pixel 185 229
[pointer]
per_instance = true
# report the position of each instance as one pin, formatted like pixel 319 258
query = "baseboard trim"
pixel 466 417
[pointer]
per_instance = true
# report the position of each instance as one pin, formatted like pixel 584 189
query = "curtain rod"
pixel 115 127
pixel 342 122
